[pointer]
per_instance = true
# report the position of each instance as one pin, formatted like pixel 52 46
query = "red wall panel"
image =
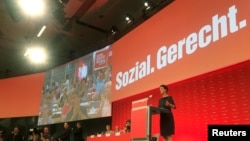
pixel 219 97
pixel 21 96
pixel 167 45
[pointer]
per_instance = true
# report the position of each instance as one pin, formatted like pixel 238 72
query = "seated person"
pixel 117 129
pixel 127 127
pixel 108 130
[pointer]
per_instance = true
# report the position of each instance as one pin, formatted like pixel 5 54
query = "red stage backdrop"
pixel 219 97
pixel 21 96
pixel 186 39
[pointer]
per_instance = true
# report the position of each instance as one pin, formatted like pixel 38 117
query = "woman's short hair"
pixel 164 86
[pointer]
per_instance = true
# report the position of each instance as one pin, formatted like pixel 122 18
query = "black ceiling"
pixel 73 30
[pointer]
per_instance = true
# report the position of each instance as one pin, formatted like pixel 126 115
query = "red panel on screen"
pixel 21 96
pixel 219 97
pixel 180 42
pixel 102 58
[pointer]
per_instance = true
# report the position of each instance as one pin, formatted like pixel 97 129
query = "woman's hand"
pixel 167 103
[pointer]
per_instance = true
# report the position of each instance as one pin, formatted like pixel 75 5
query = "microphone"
pixel 149 101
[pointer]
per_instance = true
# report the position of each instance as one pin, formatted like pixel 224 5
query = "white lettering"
pixel 220 27
pixel 215 132
pixel 203 39
pixel 232 19
pixel 191 43
pixel 181 44
pixel 118 81
pixel 125 78
pixel 161 57
pixel 132 72
pixel 172 54
pixel 222 21
pixel 143 70
pixel 231 133
pixel 139 71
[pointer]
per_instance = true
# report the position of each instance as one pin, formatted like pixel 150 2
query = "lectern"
pixel 141 117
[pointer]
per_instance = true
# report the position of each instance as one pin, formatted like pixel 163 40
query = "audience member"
pixel 45 134
pixel 105 105
pixel 100 79
pixel 83 89
pixel 2 135
pixel 46 115
pixel 65 136
pixel 33 135
pixel 78 132
pixel 65 109
pixel 75 113
pixel 15 135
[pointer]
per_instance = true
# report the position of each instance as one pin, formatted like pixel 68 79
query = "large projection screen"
pixel 78 90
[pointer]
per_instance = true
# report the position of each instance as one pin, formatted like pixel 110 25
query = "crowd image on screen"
pixel 70 95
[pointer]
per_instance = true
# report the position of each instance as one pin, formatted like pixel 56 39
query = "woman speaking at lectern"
pixel 166 119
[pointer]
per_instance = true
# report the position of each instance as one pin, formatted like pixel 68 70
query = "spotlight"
pixel 32 7
pixel 41 31
pixel 147 5
pixel 129 19
pixel 114 30
pixel 36 55
pixel 114 33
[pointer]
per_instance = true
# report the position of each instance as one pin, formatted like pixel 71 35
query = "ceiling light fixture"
pixel 147 5
pixel 32 7
pixel 27 52
pixel 114 30
pixel 36 55
pixel 129 19
pixel 149 8
pixel 41 31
